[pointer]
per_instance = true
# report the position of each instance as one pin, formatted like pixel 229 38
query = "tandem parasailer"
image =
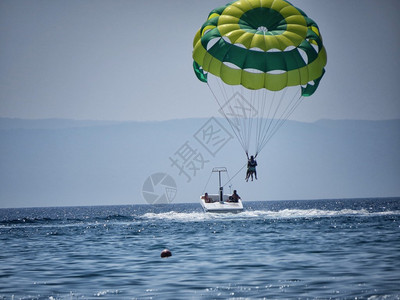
pixel 259 58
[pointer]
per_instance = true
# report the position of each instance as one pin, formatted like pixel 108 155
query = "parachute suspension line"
pixel 287 112
pixel 265 120
pixel 262 118
pixel 271 119
pixel 239 116
pixel 254 116
pixel 242 115
pixel 222 88
pixel 249 117
pixel 258 121
pixel 259 106
pixel 281 122
pixel 254 112
pixel 236 119
pixel 284 116
pixel 294 103
pixel 274 121
pixel 236 132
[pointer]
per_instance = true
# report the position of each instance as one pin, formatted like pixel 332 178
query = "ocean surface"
pixel 320 249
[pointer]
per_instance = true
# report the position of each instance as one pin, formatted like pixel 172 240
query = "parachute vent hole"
pixel 262 28
pixel 303 55
pixel 314 45
pixel 212 42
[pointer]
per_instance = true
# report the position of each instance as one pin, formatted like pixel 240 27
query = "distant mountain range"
pixel 68 162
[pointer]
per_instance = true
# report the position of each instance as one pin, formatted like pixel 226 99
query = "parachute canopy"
pixel 259 45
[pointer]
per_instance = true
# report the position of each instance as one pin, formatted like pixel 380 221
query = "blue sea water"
pixel 321 249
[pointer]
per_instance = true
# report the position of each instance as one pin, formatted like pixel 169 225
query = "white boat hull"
pixel 224 206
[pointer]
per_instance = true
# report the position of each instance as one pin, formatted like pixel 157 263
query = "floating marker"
pixel 166 253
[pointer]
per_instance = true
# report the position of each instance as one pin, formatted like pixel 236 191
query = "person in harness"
pixel 251 168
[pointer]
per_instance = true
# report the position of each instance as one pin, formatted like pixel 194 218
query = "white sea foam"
pixel 106 292
pixel 265 214
pixel 179 216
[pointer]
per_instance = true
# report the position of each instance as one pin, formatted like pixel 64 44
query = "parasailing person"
pixel 251 168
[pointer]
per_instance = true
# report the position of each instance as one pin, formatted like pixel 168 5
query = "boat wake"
pixel 264 214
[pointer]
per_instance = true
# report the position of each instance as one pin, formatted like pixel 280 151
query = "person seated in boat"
pixel 251 168
pixel 235 197
pixel 206 198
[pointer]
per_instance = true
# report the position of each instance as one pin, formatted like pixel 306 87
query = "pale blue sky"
pixel 131 60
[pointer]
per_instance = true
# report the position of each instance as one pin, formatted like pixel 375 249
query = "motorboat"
pixel 220 203
pixel 218 206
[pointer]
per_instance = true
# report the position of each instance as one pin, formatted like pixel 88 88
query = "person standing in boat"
pixel 251 168
pixel 235 197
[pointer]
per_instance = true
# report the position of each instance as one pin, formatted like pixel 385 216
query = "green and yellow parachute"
pixel 263 46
